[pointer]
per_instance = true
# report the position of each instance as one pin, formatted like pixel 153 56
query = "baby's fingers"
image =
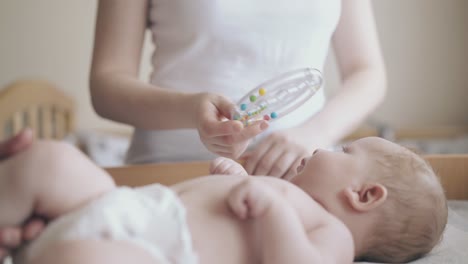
pixel 33 228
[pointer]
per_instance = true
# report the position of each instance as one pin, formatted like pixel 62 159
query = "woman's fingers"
pixel 10 237
pixel 18 143
pixel 33 228
pixel 282 164
pixel 3 253
pixel 253 158
pixel 268 160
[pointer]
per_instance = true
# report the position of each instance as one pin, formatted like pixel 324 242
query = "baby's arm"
pixel 48 179
pixel 283 236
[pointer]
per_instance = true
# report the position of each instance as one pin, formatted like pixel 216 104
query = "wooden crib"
pixel 40 105
pixel 37 104
pixel 43 107
pixel 452 170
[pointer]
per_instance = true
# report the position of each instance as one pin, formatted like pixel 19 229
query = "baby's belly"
pixel 218 236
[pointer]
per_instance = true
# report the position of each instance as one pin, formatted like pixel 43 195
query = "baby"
pixel 373 201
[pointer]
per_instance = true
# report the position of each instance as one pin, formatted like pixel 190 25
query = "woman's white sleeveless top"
pixel 228 47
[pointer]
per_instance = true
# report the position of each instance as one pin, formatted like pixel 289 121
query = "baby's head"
pixel 388 196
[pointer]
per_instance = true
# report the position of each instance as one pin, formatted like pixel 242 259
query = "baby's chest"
pixel 218 236
pixel 309 211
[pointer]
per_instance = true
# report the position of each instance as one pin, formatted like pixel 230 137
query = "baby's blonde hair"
pixel 414 215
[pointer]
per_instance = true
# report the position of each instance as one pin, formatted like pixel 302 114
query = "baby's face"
pixel 325 174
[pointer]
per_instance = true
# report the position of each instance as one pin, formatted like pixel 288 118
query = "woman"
pixel 210 53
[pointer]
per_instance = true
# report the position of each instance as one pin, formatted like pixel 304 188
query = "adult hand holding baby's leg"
pixel 47 179
pixel 251 199
pixel 12 237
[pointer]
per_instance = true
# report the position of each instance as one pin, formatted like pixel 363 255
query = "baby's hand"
pixel 226 166
pixel 251 199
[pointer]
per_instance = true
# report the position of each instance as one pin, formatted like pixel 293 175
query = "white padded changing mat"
pixel 454 246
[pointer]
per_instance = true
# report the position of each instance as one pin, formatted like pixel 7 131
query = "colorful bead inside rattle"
pixel 279 96
pixel 246 118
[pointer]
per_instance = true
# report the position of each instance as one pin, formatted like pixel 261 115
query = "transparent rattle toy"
pixel 278 97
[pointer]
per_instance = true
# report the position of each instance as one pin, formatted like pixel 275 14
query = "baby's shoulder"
pixel 331 237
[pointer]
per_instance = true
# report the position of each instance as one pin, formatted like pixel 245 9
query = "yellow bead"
pixel 262 91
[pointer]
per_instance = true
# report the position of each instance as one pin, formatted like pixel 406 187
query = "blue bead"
pixel 243 107
pixel 274 115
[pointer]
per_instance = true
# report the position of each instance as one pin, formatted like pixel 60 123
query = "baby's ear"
pixel 368 197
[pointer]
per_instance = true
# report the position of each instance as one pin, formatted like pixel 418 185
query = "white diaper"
pixel 151 217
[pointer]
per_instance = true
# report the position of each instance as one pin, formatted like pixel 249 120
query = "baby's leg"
pixel 48 179
pixel 94 252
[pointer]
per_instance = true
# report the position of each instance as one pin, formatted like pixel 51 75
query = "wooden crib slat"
pixel 46 122
pixel 33 96
pixel 32 119
pixel 69 122
pixel 59 123
pixel 18 122
pixel 7 128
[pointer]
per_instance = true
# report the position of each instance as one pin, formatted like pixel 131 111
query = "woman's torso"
pixel 228 47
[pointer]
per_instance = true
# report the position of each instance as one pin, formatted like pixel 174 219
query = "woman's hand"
pixel 13 237
pixel 218 133
pixel 277 155
pixel 16 144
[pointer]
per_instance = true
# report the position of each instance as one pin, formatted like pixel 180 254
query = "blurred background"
pixel 424 42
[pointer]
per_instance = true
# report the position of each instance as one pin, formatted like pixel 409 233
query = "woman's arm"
pixel 363 74
pixel 363 89
pixel 117 94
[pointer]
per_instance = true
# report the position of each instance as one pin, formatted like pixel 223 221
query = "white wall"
pixel 425 44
